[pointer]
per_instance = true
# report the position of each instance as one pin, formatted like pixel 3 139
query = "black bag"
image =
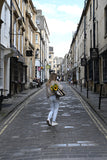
pixel 59 93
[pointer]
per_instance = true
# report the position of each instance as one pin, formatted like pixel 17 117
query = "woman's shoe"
pixel 49 122
pixel 54 124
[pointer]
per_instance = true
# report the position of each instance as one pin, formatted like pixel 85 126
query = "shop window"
pixel 35 71
pixel 90 11
pixel 96 71
pixel 105 67
pixel 90 70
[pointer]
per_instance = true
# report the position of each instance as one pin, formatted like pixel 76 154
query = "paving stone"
pixel 76 137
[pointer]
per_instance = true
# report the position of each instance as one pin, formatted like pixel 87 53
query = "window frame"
pixel 105 15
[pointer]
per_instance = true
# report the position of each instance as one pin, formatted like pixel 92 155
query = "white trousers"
pixel 54 104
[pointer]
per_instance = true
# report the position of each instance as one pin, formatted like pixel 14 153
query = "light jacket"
pixel 48 88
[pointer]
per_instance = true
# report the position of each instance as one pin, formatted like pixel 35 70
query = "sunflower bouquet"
pixel 54 87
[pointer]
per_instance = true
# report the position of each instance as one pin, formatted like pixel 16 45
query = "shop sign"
pixel 48 66
pixel 83 61
pixel 29 53
pixel 39 68
pixel 93 53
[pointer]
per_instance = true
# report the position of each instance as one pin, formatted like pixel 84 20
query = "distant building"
pixel 57 65
pixel 51 58
pixel 43 46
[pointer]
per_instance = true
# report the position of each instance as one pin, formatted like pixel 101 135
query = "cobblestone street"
pixel 80 135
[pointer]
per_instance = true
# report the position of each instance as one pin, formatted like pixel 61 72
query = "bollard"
pixel 87 89
pixel 81 85
pixel 100 96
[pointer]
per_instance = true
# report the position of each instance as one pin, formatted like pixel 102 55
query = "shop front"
pixel 18 73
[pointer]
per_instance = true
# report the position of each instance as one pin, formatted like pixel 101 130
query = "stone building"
pixel 30 38
pixel 89 46
pixel 44 45
pixel 64 68
pixel 5 51
pixel 18 68
pixel 51 58
pixel 57 65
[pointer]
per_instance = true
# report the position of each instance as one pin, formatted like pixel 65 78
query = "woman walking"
pixel 53 100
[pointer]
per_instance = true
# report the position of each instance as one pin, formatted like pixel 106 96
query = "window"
pixel 23 8
pixel 19 3
pixel 105 67
pixel 1 70
pixel 31 68
pixel 90 11
pixel 31 37
pixel 36 38
pixel 37 21
pixel 90 38
pixel 15 33
pixel 50 56
pixel 5 21
pixel 22 44
pixel 106 20
pixel 19 39
pixel 35 71
pixel 96 4
pixel 97 33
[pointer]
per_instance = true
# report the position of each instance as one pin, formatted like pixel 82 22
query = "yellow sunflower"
pixel 52 88
pixel 55 86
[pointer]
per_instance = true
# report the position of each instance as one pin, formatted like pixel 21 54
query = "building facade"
pixel 30 46
pixel 44 45
pixel 51 58
pixel 57 66
pixel 5 51
pixel 21 43
pixel 89 46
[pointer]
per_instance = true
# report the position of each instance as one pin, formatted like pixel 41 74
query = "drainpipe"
pixel 93 41
pixel 93 23
pixel 85 67
pixel 40 55
pixel 10 43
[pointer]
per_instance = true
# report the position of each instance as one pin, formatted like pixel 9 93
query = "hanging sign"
pixel 29 53
pixel 93 53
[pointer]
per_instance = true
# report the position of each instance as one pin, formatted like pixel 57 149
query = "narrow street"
pixel 80 135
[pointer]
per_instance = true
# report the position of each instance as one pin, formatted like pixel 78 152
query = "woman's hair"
pixel 53 77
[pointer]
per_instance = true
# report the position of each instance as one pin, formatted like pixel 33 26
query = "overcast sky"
pixel 62 17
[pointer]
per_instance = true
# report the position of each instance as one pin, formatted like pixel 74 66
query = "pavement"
pixel 10 104
pixel 25 135
pixel 93 101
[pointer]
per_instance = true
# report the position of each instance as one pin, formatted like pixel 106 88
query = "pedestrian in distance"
pixel 51 86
